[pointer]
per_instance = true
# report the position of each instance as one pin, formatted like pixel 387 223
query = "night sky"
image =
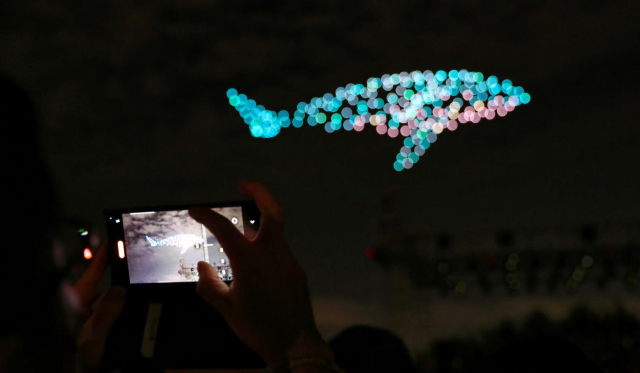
pixel 132 102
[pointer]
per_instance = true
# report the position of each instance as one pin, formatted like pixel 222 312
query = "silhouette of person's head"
pixel 541 354
pixel 33 332
pixel 367 349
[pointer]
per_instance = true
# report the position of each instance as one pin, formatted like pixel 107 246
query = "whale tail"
pixel 262 123
pixel 153 242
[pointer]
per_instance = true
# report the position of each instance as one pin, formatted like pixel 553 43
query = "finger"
pixel 88 283
pixel 270 208
pixel 211 288
pixel 225 232
pixel 93 334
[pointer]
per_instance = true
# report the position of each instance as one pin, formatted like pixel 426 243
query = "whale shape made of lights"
pixel 183 241
pixel 418 106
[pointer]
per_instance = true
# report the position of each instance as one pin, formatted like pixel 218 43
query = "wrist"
pixel 309 344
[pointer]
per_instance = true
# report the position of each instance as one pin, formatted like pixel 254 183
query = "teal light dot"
pixel 525 98
pixel 478 77
pixel 233 100
pixel 232 92
pixel 312 121
pixel 297 122
pixel 285 122
pixel 400 157
pixel 302 106
pixel 379 103
pixel 321 118
pixel 392 98
pixel 242 98
pixel 425 144
pixel 441 76
pixel 398 166
pixel 346 112
pixel 328 128
pixel 362 107
pixel 250 104
pixel 283 114
pixel 453 74
pixel 336 118
pixel 432 137
pixel 336 126
pixel 408 94
pixel 298 114
pixel 256 131
pixel 413 157
pixel 408 142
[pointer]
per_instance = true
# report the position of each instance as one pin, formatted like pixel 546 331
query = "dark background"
pixel 132 102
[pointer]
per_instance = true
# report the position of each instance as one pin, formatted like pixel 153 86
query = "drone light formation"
pixel 418 106
pixel 183 241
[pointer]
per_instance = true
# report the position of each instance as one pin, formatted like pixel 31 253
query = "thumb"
pixel 93 334
pixel 211 288
pixel 106 310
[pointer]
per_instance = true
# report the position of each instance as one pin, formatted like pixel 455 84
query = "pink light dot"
pixel 392 132
pixel 499 100
pixel 467 94
pixel 405 131
pixel 462 119
pixel 358 127
pixel 514 100
pixel 381 129
pixel 476 118
pixel 452 125
pixel 502 111
pixel 510 108
pixel 490 114
pixel 482 112
pixel 412 124
pixel 394 109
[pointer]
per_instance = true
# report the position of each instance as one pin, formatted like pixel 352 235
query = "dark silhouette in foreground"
pixel 366 349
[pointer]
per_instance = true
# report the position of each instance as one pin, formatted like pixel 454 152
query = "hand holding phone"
pixel 268 304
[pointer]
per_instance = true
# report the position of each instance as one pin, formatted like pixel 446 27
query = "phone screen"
pixel 166 246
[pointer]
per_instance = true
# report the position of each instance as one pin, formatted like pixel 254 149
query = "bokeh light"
pixel 419 106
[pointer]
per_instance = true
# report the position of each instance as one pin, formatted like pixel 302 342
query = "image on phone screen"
pixel 166 246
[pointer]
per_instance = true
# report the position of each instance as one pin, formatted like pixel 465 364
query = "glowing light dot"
pixel 437 128
pixel 87 253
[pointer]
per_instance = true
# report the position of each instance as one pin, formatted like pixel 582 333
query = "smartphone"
pixel 154 253
pixel 163 245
